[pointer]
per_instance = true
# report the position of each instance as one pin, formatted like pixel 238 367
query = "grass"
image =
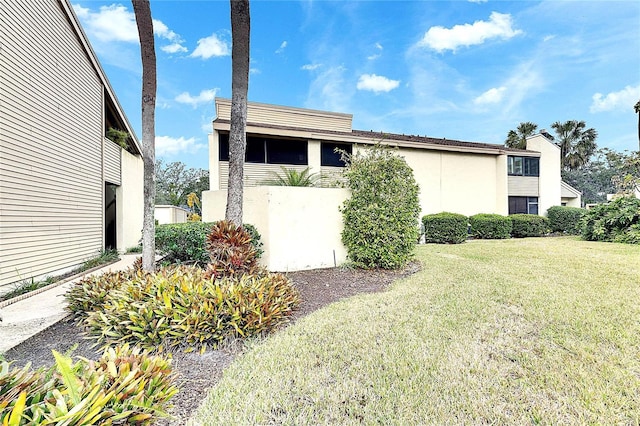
pixel 521 331
pixel 29 285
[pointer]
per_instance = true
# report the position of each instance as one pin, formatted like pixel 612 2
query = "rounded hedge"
pixel 617 221
pixel 381 226
pixel 565 219
pixel 528 225
pixel 445 228
pixel 490 226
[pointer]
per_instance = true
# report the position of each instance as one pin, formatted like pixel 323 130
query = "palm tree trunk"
pixel 144 22
pixel 240 30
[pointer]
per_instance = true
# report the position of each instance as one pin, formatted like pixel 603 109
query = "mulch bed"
pixel 196 373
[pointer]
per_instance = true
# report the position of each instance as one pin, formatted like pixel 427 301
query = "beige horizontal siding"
pixel 51 185
pixel 288 116
pixel 112 166
pixel 524 186
pixel 254 174
pixel 331 176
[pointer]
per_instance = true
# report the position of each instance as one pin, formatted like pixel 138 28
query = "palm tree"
pixel 142 10
pixel 292 177
pixel 576 143
pixel 518 138
pixel 240 30
pixel 636 107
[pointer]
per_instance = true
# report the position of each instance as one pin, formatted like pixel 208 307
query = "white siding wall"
pixel 112 163
pixel 255 174
pixel 523 186
pixel 51 183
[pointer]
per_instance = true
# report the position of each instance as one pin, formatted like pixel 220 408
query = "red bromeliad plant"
pixel 230 250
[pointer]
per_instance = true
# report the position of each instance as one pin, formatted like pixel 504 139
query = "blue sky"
pixel 468 70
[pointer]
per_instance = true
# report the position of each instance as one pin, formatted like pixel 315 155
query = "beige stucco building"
pixel 66 190
pixel 454 176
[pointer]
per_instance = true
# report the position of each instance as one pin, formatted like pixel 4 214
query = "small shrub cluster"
pixel 90 293
pixel 565 219
pixel 186 242
pixel 617 221
pixel 381 225
pixel 445 228
pixel 179 307
pixel 490 226
pixel 528 225
pixel 124 386
pixel 231 251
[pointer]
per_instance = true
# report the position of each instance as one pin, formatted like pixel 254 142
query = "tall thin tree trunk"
pixel 142 10
pixel 240 31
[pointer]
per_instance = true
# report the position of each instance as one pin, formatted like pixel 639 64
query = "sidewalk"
pixel 28 317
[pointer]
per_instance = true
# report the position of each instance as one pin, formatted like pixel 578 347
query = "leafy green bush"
pixel 185 242
pixel 90 293
pixel 180 308
pixel 447 228
pixel 565 219
pixel 381 226
pixel 528 225
pixel 124 386
pixel 490 226
pixel 292 177
pixel 617 221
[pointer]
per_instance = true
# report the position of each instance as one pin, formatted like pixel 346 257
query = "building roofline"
pixel 570 188
pixel 370 137
pixel 288 108
pixel 93 58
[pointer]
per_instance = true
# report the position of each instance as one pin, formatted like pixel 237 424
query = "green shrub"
pixel 565 219
pixel 185 242
pixel 618 220
pixel 180 308
pixel 528 225
pixel 490 226
pixel 90 293
pixel 447 228
pixel 124 386
pixel 381 226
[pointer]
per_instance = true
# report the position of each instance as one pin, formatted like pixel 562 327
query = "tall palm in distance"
pixel 518 138
pixel 577 143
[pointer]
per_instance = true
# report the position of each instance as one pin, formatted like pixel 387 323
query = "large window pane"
pixel 285 151
pixel 223 147
pixel 532 166
pixel 255 150
pixel 328 156
pixel 514 166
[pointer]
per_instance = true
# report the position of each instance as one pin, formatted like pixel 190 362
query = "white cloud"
pixel 166 145
pixel 373 57
pixel 254 71
pixel 283 45
pixel 478 1
pixel 204 97
pixel 117 23
pixel 624 99
pixel 440 39
pixel 376 83
pixel 310 67
pixel 174 48
pixel 379 46
pixel 110 23
pixel 491 96
pixel 211 46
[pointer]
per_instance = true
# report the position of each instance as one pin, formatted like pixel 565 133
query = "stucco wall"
pixel 170 214
pixel 550 180
pixel 457 182
pixel 130 201
pixel 300 227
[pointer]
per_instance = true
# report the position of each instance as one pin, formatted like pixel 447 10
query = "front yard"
pixel 539 330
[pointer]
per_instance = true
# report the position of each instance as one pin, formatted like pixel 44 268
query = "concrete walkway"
pixel 29 316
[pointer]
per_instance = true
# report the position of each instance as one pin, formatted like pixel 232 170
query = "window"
pixel 268 150
pixel 523 166
pixel 329 156
pixel 528 205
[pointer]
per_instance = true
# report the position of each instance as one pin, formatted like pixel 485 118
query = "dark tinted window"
pixel 286 151
pixel 223 147
pixel 328 156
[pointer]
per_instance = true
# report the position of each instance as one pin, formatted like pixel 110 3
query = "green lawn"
pixel 526 331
